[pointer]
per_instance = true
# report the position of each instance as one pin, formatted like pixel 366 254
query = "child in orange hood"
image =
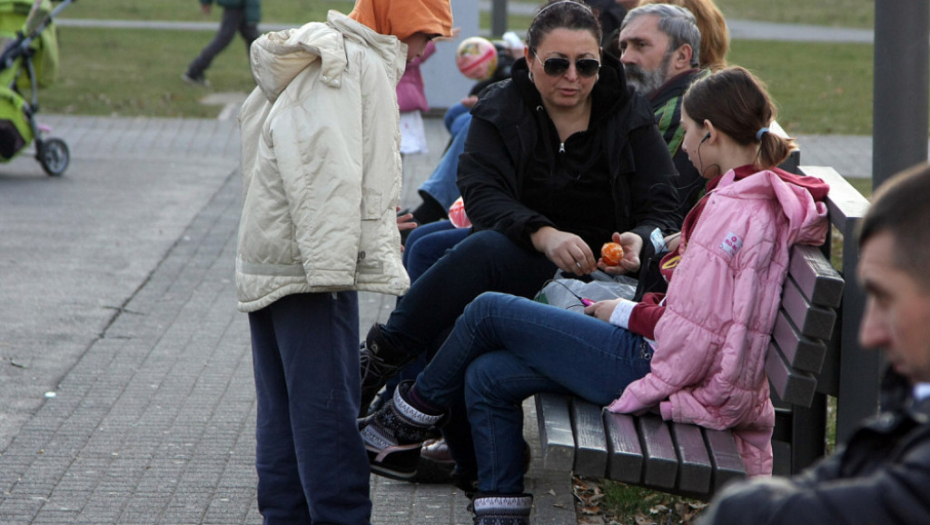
pixel 321 173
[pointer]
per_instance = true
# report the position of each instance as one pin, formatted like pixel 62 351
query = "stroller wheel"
pixel 53 155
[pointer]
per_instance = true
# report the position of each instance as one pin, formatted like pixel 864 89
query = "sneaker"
pixel 196 80
pixel 395 434
pixel 379 362
pixel 492 509
pixel 437 451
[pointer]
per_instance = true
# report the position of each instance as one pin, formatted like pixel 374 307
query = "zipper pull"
pixel 562 147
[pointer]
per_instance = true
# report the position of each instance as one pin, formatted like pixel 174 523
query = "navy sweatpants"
pixel 311 462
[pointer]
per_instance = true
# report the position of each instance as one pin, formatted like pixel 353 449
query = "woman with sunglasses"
pixel 696 353
pixel 559 159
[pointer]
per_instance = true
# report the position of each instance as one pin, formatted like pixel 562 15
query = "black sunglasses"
pixel 554 67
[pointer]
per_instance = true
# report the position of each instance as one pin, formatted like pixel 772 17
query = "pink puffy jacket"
pixel 708 366
pixel 410 88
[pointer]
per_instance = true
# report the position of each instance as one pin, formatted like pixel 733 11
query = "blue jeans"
pixel 451 118
pixel 311 461
pixel 485 261
pixel 441 184
pixel 504 349
pixel 427 243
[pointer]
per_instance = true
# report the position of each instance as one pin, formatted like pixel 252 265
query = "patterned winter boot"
pixel 395 434
pixel 379 362
pixel 503 509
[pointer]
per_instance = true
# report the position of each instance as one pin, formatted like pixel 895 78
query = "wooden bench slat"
pixel 728 464
pixel 661 468
pixel 815 276
pixel 626 454
pixel 843 201
pixel 696 468
pixel 800 351
pixel 812 321
pixel 791 386
pixel 590 439
pixel 555 431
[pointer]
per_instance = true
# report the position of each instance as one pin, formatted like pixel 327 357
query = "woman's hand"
pixel 602 309
pixel 565 250
pixel 632 244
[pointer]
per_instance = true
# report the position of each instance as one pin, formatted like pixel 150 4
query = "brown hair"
pixel 737 103
pixel 899 207
pixel 715 37
pixel 567 14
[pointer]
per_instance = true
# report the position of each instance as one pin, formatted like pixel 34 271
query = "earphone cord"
pixel 569 290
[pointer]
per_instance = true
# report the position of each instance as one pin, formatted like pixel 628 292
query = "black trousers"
pixel 233 21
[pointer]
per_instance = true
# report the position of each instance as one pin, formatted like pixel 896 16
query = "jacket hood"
pixel 800 197
pixel 278 57
pixel 403 18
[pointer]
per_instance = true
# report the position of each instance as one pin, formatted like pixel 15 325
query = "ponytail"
pixel 774 149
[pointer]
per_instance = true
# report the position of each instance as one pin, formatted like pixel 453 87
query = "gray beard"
pixel 647 82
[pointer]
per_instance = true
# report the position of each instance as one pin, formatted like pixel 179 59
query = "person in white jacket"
pixel 321 182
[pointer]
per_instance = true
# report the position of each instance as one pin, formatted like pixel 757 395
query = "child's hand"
pixel 405 221
pixel 469 101
pixel 602 309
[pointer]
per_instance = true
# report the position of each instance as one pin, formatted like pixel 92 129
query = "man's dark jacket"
pixel 666 103
pixel 881 477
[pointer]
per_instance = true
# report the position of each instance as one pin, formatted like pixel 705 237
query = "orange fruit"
pixel 612 253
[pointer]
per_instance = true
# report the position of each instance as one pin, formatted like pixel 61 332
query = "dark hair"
pixel 737 103
pixel 567 14
pixel 900 208
pixel 678 24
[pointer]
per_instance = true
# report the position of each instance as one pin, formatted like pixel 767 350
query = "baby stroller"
pixel 28 61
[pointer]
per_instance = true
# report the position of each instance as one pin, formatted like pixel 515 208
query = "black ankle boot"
pixel 379 362
pixel 493 509
pixel 395 434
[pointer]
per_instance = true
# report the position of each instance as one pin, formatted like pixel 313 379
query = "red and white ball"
pixel 476 58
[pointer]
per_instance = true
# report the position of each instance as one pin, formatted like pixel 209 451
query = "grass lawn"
pixel 820 88
pixel 281 12
pixel 140 75
pixel 838 13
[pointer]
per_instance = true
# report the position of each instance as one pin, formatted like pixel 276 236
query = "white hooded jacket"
pixel 320 182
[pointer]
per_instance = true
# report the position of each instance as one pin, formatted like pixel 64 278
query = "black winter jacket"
pixel 881 477
pixel 507 123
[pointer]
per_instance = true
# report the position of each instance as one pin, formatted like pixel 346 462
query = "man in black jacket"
pixel 882 476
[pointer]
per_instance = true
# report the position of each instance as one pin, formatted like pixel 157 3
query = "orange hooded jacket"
pixel 403 18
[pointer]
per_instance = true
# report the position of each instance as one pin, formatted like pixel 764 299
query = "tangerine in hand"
pixel 612 253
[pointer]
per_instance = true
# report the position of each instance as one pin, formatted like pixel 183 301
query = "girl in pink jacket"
pixel 696 353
